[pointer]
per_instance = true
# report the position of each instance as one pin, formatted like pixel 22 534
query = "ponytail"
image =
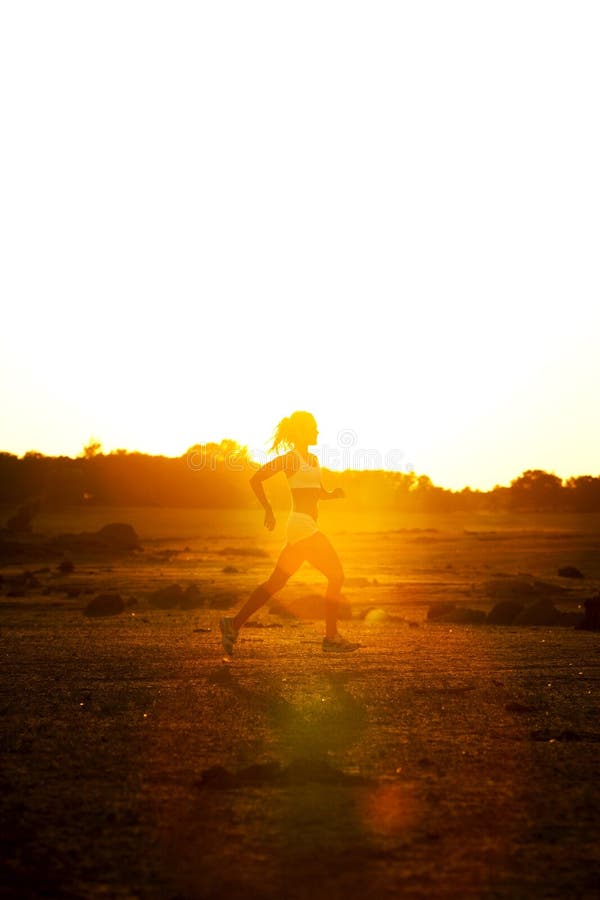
pixel 282 436
pixel 289 427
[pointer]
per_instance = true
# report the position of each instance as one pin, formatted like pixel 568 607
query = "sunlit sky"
pixel 387 213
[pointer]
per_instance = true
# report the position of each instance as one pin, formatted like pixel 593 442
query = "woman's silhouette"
pixel 304 540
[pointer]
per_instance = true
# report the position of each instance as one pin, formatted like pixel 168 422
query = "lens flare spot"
pixel 376 617
pixel 391 808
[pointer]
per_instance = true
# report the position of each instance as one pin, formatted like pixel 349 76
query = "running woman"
pixel 305 541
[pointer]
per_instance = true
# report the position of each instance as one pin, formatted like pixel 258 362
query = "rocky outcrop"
pixel 116 537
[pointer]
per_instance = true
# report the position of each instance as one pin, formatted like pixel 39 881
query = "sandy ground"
pixel 471 752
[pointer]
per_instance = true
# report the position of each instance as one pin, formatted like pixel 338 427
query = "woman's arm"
pixel 279 464
pixel 260 492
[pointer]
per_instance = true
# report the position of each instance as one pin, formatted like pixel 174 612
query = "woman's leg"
pixel 319 552
pixel 290 560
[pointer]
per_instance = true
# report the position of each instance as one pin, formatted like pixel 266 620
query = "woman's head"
pixel 299 428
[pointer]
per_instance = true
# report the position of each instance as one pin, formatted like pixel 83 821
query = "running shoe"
pixel 338 644
pixel 228 634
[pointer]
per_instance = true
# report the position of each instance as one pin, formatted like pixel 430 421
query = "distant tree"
pixel 583 493
pixel 537 490
pixel 212 455
pixel 94 448
pixel 498 499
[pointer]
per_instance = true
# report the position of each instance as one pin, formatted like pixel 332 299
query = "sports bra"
pixel 306 476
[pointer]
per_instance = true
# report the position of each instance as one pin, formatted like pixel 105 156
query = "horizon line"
pixel 399 471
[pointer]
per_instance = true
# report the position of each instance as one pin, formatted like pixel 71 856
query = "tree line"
pixel 216 475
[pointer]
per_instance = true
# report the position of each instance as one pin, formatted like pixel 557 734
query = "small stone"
pixel 541 612
pixel 166 598
pixel 119 535
pixel 438 610
pixel 570 572
pixel 192 598
pixel 520 707
pixel 108 604
pixel 505 612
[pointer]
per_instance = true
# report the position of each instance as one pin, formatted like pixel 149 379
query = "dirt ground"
pixel 438 761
